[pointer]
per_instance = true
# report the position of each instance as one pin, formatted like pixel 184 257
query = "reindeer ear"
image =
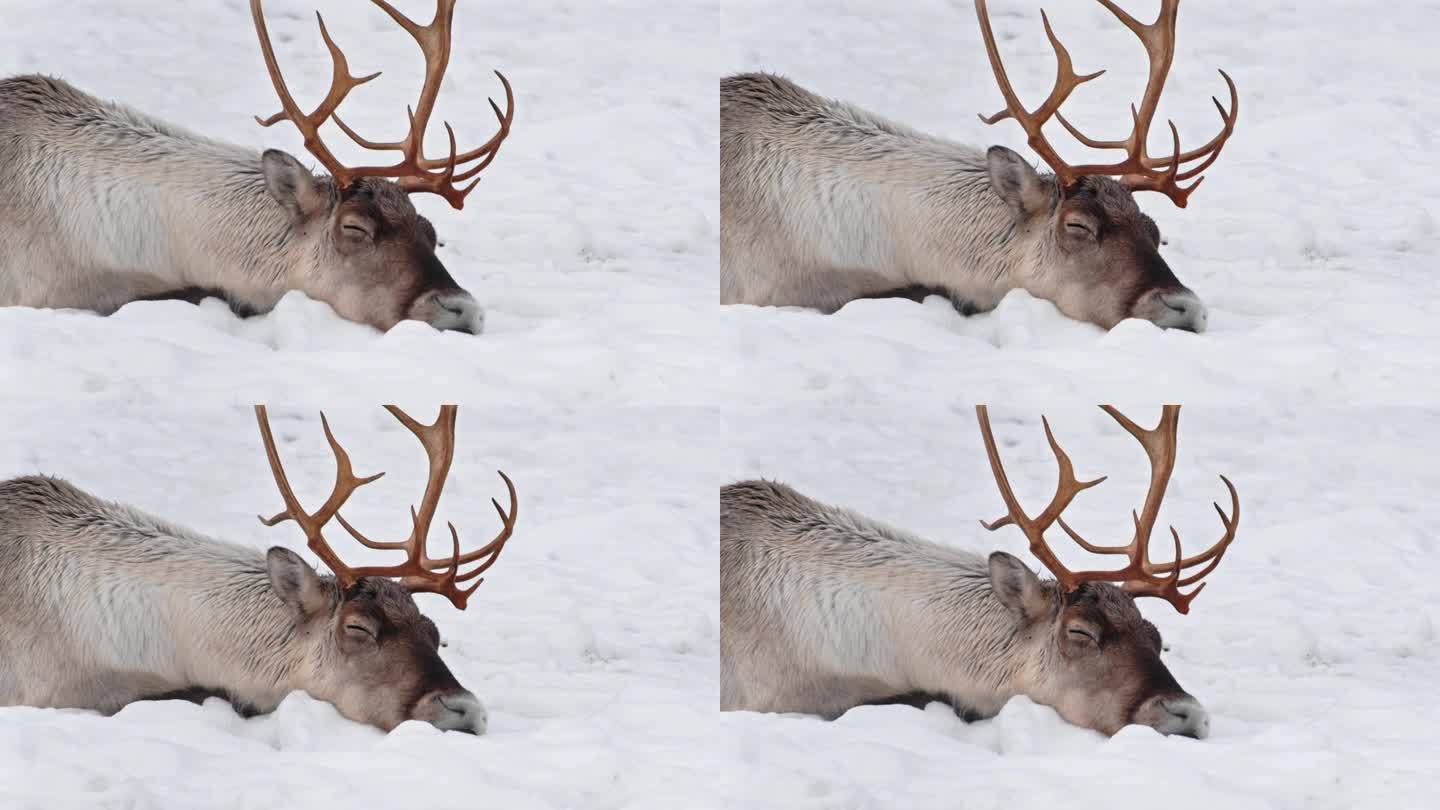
pixel 1018 589
pixel 1018 184
pixel 295 582
pixel 292 185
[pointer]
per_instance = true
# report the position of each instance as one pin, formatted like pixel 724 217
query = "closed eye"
pixel 1081 635
pixel 1078 227
pixel 359 629
pixel 356 230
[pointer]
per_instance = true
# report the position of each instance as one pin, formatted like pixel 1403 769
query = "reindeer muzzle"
pixel 1175 308
pixel 1175 714
pixel 450 311
pixel 453 710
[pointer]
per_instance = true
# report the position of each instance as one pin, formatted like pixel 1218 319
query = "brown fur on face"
pixel 823 203
pixel 1108 252
pixel 386 255
pixel 1109 659
pixel 386 662
pixel 371 255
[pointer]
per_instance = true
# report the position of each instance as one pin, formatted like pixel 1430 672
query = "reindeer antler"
pixel 419 572
pixel 415 173
pixel 1140 576
pixel 1138 171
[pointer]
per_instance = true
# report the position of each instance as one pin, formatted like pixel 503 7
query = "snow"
pixel 1313 243
pixel 1313 645
pixel 1312 240
pixel 592 244
pixel 617 394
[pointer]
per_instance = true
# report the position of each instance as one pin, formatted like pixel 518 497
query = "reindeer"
pixel 823 610
pixel 102 605
pixel 822 203
pixel 101 205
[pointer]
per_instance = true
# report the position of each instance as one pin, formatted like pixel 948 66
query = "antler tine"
pixel 1137 580
pixel 486 150
pixel 346 482
pixel 1160 445
pixel 1210 151
pixel 434 42
pixel 493 548
pixel 1159 40
pixel 1066 488
pixel 434 437
pixel 414 172
pixel 1138 171
pixel 438 439
pixel 1215 553
pixel 446 584
pixel 490 551
pixel 417 572
pixel 341 83
pixel 1139 576
pixel 1066 80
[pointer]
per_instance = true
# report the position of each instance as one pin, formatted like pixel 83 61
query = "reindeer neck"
pixel 234 236
pixel 960 642
pixel 242 639
pixel 263 250
pixel 950 229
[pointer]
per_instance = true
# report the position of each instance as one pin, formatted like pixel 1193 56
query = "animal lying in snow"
pixel 102 605
pixel 822 203
pixel 823 610
pixel 101 205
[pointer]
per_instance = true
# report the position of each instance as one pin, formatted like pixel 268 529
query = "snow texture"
pixel 1313 645
pixel 592 243
pixel 1313 242
pixel 619 397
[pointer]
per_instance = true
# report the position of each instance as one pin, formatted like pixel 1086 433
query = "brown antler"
pixel 1138 171
pixel 415 173
pixel 419 572
pixel 1139 577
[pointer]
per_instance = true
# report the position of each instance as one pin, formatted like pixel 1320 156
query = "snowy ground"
pixel 1313 241
pixel 1313 646
pixel 592 641
pixel 619 397
pixel 592 242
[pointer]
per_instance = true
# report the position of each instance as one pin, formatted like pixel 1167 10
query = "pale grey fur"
pixel 101 605
pixel 823 610
pixel 101 205
pixel 822 203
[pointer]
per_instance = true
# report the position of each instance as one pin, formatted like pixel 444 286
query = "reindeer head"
pixel 372 653
pixel 373 256
pixel 1092 656
pixel 1097 255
